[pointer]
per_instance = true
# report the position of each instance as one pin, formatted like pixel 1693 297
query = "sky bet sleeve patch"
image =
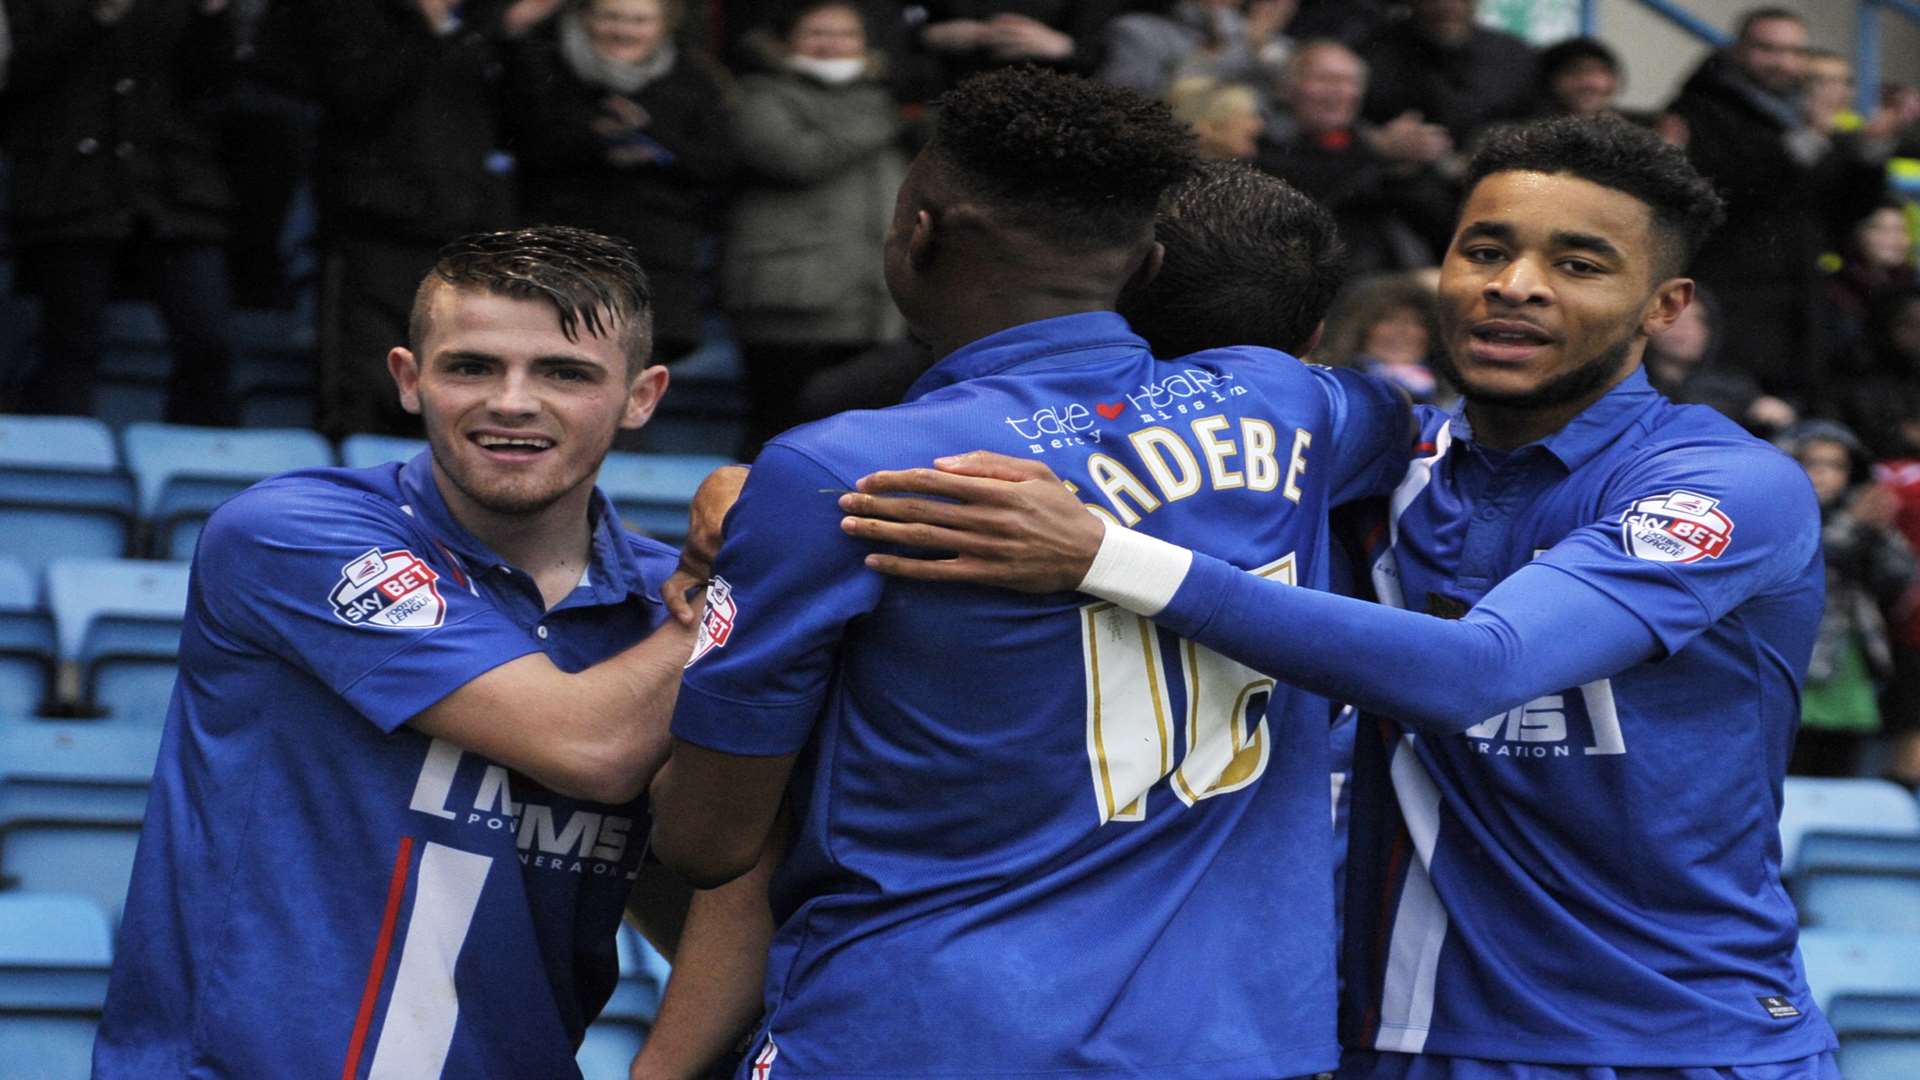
pixel 1678 527
pixel 393 590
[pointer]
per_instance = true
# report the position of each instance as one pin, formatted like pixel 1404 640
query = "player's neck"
pixel 976 317
pixel 551 545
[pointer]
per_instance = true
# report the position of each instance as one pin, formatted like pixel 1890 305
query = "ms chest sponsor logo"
pixel 591 843
pixel 1551 726
pixel 393 590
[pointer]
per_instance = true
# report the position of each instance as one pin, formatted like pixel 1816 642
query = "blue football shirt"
pixel 322 891
pixel 1033 835
pixel 1593 877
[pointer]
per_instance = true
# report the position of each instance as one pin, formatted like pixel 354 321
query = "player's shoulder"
pixel 655 559
pixel 310 502
pixel 1699 438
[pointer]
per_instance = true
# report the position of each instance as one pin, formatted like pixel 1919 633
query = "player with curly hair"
pixel 980 881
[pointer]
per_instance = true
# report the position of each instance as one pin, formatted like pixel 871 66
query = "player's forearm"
pixel 713 811
pixel 713 997
pixel 1443 675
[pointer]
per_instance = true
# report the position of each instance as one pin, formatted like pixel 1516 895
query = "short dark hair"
pixel 592 281
pixel 1557 58
pixel 1249 261
pixel 1079 162
pixel 1614 153
pixel 1765 14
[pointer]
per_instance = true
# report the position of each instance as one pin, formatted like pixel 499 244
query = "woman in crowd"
pixel 1388 326
pixel 621 133
pixel 819 139
pixel 1225 116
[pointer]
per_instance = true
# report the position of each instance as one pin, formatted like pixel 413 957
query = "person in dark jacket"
pixel 1782 181
pixel 1439 65
pixel 410 156
pixel 620 132
pixel 961 37
pixel 116 165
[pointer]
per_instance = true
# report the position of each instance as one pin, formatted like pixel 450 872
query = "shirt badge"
pixel 393 590
pixel 1678 527
pixel 716 626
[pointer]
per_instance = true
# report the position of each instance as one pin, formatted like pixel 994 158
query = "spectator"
pixel 1579 77
pixel 1149 51
pixel 1782 179
pixel 1880 391
pixel 115 164
pixel 1438 66
pixel 1868 567
pixel 1682 363
pixel 617 133
pixel 1876 258
pixel 961 37
pixel 1224 116
pixel 410 156
pixel 1383 184
pixel 802 275
pixel 1388 326
pixel 1827 102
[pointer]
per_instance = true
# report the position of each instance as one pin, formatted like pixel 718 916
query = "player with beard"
pixel 1565 857
pixel 399 803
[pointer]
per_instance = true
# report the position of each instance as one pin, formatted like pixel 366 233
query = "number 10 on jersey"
pixel 1132 710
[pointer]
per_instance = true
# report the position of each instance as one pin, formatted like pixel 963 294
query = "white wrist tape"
pixel 1136 571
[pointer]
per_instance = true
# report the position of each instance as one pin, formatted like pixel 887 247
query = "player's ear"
pixel 920 240
pixel 643 394
pixel 1669 299
pixel 405 369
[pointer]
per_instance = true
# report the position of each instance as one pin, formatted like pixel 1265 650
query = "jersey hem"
pixel 1613 1050
pixel 1322 1058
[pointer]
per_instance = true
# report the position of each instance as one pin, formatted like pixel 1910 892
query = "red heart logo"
pixel 1109 409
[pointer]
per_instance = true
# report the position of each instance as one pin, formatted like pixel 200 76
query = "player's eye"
pixel 572 374
pixel 1483 253
pixel 1581 266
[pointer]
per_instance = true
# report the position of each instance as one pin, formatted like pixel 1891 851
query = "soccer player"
pixel 1565 853
pixel 1030 838
pixel 398 806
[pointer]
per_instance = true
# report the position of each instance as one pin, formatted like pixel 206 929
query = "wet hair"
pixel 1613 153
pixel 1249 261
pixel 593 282
pixel 1080 163
pixel 1369 302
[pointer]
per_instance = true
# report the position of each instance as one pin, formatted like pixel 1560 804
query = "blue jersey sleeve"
pixel 786 583
pixel 1372 427
pixel 1692 532
pixel 338 583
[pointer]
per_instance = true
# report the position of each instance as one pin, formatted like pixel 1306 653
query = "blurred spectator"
pixel 802 276
pixel 1579 77
pixel 1876 258
pixel 1682 363
pixel 1388 326
pixel 1827 102
pixel 1224 116
pixel 1148 51
pixel 1383 185
pixel 1868 568
pixel 1880 394
pixel 1438 65
pixel 116 166
pixel 410 156
pixel 1349 22
pixel 961 37
pixel 617 132
pixel 1782 179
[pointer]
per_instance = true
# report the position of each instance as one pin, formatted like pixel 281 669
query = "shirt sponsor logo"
pixel 716 625
pixel 393 590
pixel 1549 726
pixel 591 843
pixel 1678 527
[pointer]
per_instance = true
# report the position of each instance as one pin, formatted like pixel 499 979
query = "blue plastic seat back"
pixel 608 1049
pixel 62 492
pixel 1840 961
pixel 183 473
pixel 1851 805
pixel 88 770
pixel 1874 1012
pixel 55 951
pixel 57 443
pixel 1860 899
pixel 93 858
pixel 1834 849
pixel 652 491
pixel 116 606
pixel 366 451
pixel 47 1046
pixel 1878 1056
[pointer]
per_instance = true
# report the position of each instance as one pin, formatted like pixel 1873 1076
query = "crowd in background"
pixel 750 149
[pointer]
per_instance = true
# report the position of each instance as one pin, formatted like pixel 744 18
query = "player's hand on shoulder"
pixel 706 522
pixel 996 520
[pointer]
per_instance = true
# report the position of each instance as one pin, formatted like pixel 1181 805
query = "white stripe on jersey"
pixel 418 1027
pixel 1419 922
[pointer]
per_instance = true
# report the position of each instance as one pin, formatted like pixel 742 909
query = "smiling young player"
pixel 1565 853
pixel 398 807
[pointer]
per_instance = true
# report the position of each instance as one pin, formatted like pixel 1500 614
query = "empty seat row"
pixel 100 635
pixel 67 488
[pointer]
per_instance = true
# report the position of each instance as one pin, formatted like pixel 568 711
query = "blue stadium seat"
pixel 365 451
pixel 183 473
pixel 274 368
pixel 55 951
pixel 1849 805
pixel 62 492
pixel 118 626
pixel 134 361
pixel 652 491
pixel 90 770
pixel 608 1049
pixel 26 642
pixel 1879 1035
pixel 1859 962
pixel 1859 898
pixel 87 854
pixel 622 1026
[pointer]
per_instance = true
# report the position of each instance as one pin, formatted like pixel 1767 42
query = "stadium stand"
pixel 363 451
pixel 1863 881
pixel 652 491
pixel 615 1037
pixel 55 951
pixel 184 472
pixel 1853 805
pixel 26 642
pixel 62 492
pixel 1879 1035
pixel 117 623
